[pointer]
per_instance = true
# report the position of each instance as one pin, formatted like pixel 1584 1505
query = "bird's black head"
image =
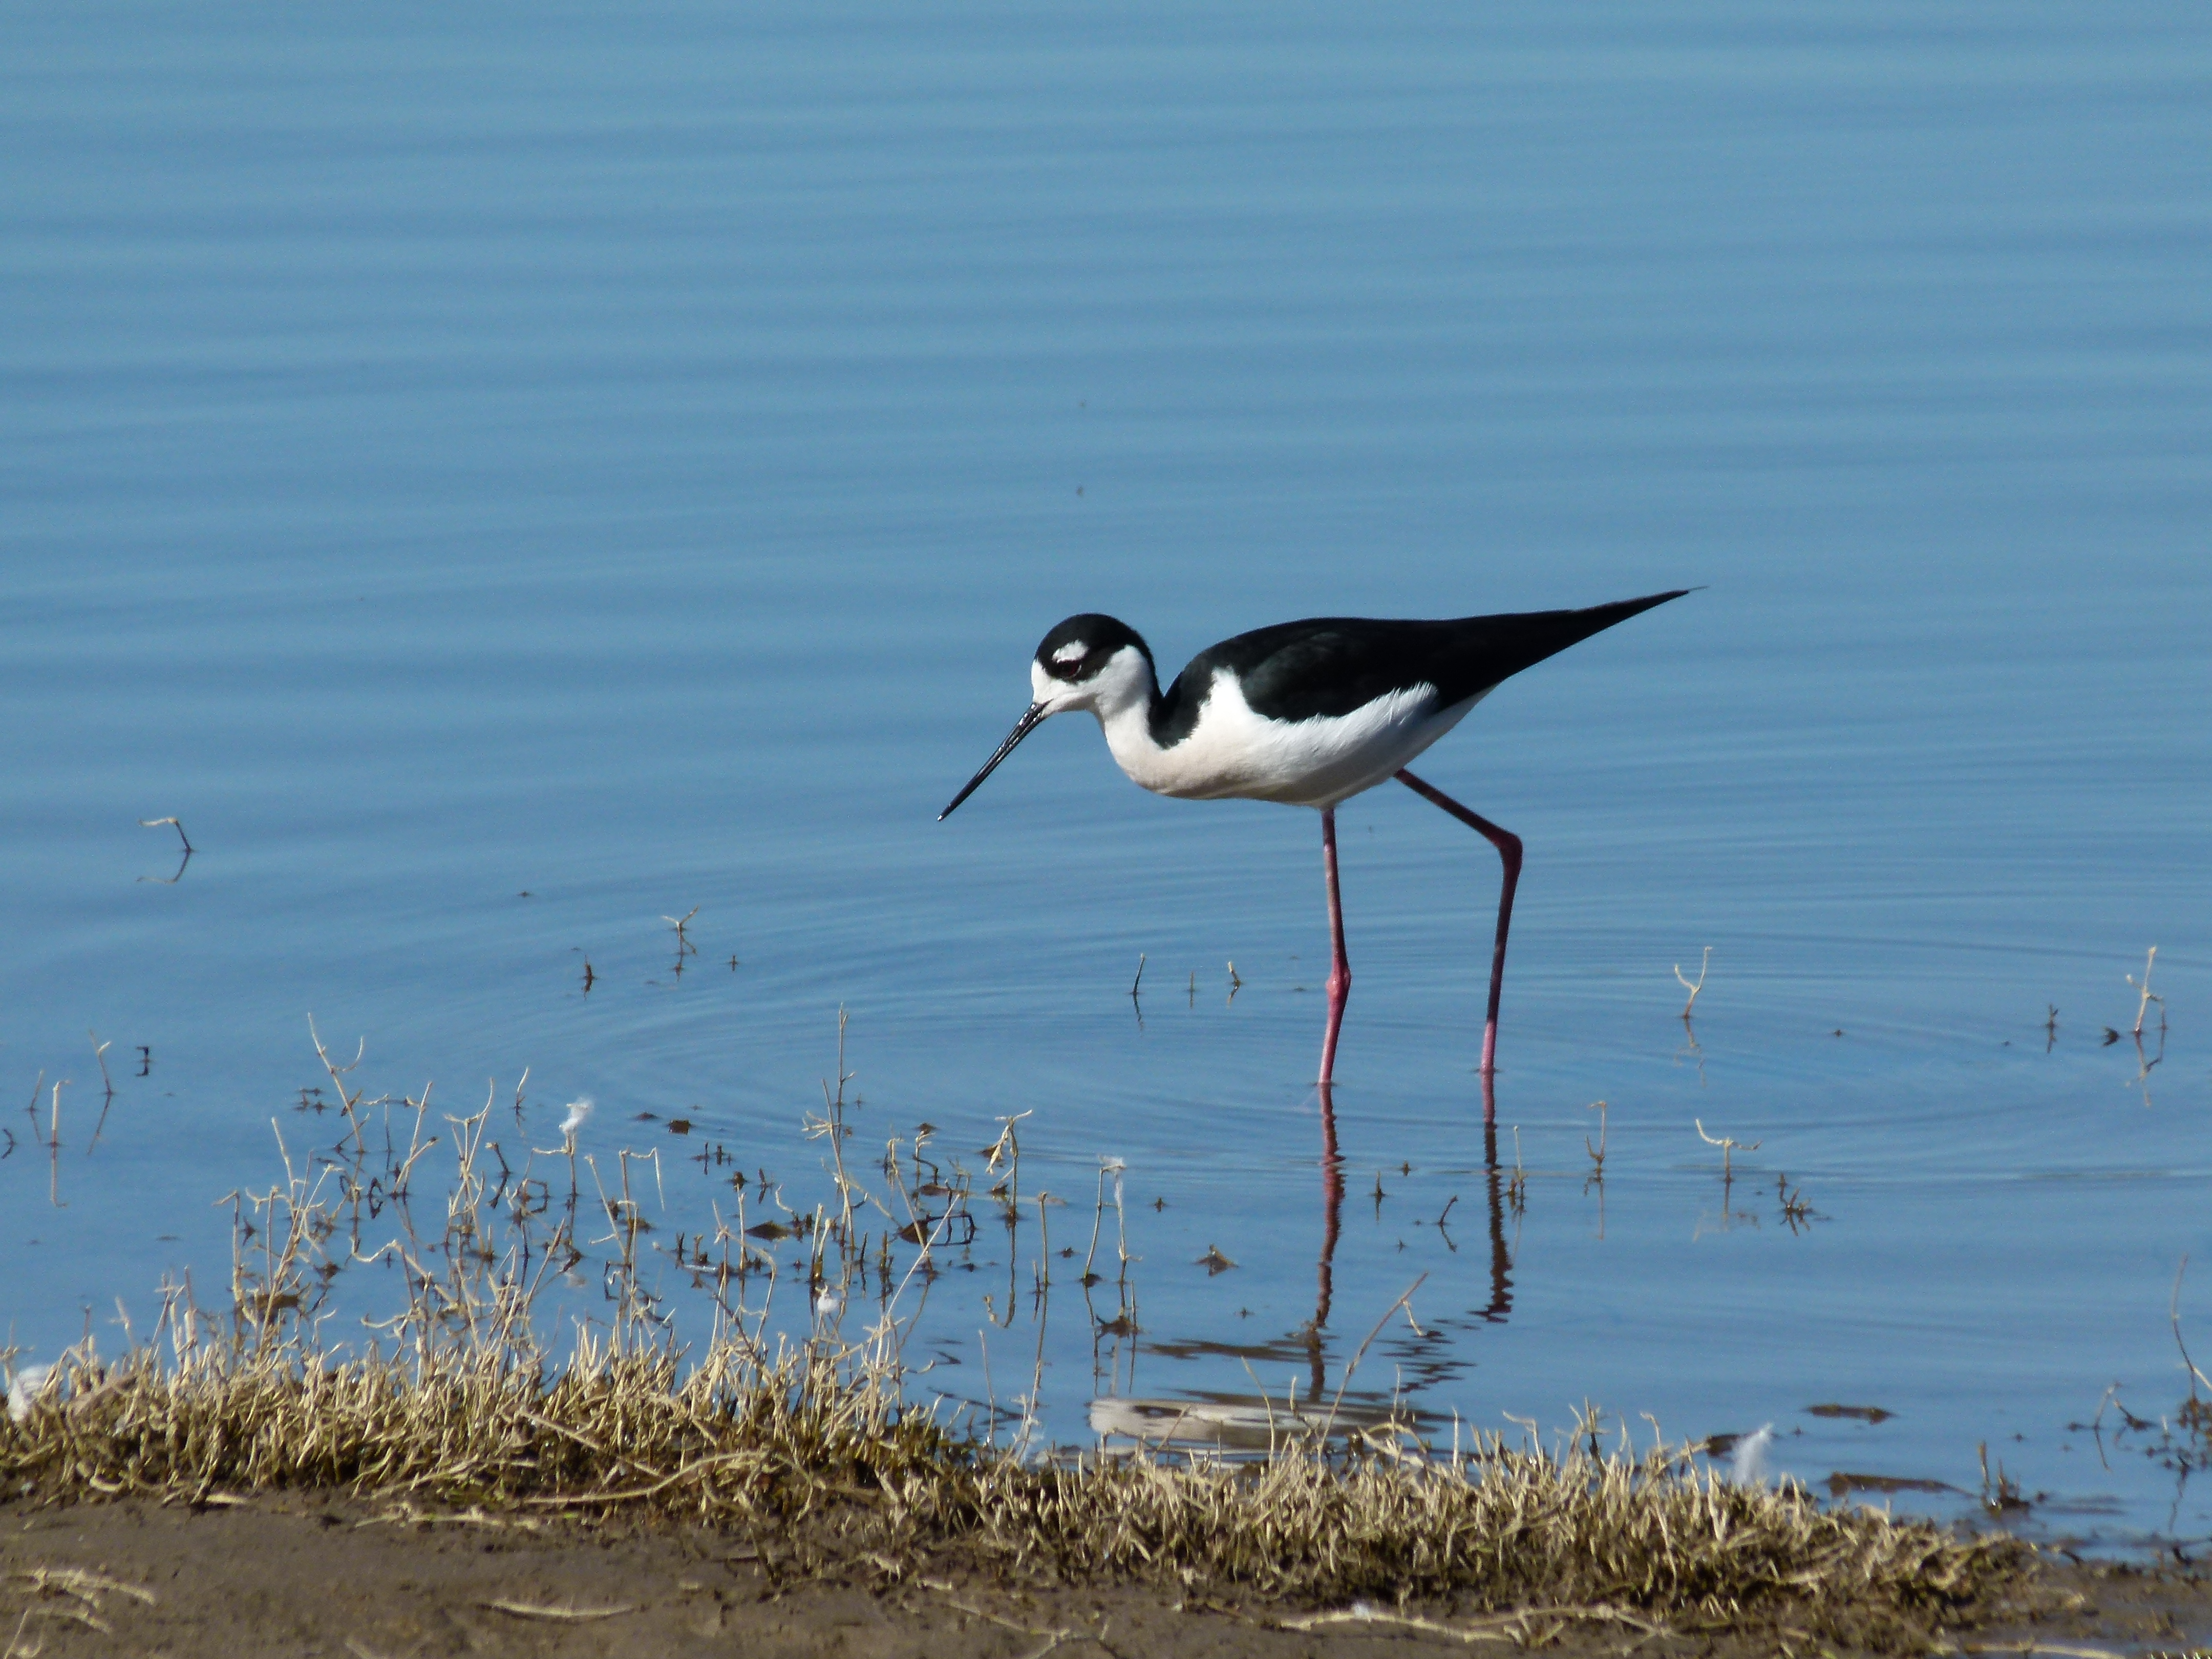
pixel 1079 647
pixel 1067 674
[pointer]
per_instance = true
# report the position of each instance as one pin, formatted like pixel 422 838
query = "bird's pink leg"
pixel 1340 972
pixel 1509 852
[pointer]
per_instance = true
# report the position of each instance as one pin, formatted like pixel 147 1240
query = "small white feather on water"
pixel 1747 1463
pixel 23 1386
pixel 579 1110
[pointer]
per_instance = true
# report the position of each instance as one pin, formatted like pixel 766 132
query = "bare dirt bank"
pixel 294 1574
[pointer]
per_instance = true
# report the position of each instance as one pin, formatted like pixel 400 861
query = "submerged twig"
pixel 184 858
pixel 155 824
pixel 1729 1148
pixel 54 1145
pixel 107 1087
pixel 2147 996
pixel 1704 962
pixel 2173 1313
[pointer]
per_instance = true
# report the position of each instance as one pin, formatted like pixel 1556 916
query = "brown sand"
pixel 291 1574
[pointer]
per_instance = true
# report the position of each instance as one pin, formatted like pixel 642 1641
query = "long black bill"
pixel 1022 727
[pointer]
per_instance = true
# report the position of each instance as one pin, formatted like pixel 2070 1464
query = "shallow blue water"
pixel 451 457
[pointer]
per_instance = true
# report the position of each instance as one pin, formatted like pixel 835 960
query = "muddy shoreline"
pixel 301 1573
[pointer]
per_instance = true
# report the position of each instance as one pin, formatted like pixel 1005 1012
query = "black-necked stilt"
pixel 1309 713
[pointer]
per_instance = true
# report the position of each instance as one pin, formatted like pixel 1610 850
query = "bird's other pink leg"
pixel 1509 852
pixel 1340 972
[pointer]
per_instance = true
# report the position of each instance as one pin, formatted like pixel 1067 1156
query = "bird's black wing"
pixel 1331 665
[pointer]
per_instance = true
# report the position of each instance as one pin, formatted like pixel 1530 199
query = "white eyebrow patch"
pixel 1073 651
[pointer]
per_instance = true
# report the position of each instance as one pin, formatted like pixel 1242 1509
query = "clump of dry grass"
pixel 1502 1529
pixel 811 1449
pixel 733 1443
pixel 818 1464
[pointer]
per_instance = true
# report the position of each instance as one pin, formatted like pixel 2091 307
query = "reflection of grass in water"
pixel 2195 1414
pixel 810 1447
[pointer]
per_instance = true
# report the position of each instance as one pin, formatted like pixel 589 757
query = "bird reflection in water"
pixel 1254 1422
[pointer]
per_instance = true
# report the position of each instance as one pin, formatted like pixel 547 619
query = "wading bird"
pixel 1309 713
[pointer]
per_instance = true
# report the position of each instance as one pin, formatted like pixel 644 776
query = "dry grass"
pixel 1507 1530
pixel 811 1450
pixel 816 1465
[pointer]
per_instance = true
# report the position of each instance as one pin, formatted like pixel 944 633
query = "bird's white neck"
pixel 1122 695
pixel 1128 729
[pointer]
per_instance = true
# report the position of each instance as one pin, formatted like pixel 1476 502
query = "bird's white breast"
pixel 1233 752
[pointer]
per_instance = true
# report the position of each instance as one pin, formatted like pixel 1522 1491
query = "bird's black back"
pixel 1331 665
